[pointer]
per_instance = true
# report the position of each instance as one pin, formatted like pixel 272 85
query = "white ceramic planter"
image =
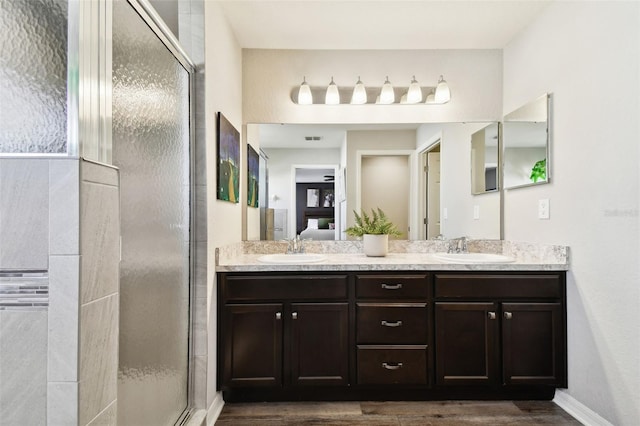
pixel 375 245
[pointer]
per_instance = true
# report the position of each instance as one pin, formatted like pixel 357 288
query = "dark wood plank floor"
pixel 441 413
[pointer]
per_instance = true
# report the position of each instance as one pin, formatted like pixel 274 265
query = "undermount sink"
pixel 294 258
pixel 472 258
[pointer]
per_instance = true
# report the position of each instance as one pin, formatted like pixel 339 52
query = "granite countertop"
pixel 403 256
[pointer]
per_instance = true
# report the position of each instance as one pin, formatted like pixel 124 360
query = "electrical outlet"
pixel 476 212
pixel 543 208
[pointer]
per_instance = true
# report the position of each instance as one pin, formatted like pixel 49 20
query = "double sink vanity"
pixel 416 324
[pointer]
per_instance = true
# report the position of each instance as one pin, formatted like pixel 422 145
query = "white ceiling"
pixel 366 24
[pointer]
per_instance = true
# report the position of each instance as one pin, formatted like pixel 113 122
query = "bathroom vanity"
pixel 402 328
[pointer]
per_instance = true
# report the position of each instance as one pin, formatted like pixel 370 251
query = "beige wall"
pixel 475 78
pixel 587 55
pixel 223 93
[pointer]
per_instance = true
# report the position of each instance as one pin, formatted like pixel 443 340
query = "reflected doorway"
pixel 430 195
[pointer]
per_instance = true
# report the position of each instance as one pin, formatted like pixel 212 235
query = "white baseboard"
pixel 578 410
pixel 215 409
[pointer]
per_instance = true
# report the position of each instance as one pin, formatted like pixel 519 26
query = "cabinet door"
pixel 466 343
pixel 533 344
pixel 319 344
pixel 252 345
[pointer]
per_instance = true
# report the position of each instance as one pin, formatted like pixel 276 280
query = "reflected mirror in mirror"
pixel 527 144
pixel 484 160
pixel 335 162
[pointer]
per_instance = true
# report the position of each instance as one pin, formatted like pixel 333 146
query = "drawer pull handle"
pixel 278 315
pixel 492 315
pixel 294 315
pixel 392 366
pixel 508 315
pixel 391 286
pixel 391 323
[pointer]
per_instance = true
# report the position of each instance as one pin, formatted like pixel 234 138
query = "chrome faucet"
pixel 295 245
pixel 458 245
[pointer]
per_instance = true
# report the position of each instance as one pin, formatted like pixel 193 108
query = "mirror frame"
pixel 517 116
pixel 498 159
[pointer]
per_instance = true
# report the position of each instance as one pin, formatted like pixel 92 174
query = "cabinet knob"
pixel 391 323
pixel 508 315
pixel 294 315
pixel 278 315
pixel 391 286
pixel 492 315
pixel 392 366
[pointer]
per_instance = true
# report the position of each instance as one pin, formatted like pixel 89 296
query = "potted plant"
pixel 374 230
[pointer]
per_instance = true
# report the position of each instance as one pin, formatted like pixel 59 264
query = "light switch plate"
pixel 543 208
pixel 445 213
pixel 476 212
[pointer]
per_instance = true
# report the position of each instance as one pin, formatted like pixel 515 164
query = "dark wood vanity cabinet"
pixel 500 329
pixel 391 335
pixel 283 331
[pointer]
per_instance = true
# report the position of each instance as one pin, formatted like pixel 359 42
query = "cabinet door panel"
pixel 533 343
pixel 319 344
pixel 253 345
pixel 466 343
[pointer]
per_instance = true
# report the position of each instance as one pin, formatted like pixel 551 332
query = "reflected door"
pixel 151 149
pixel 433 195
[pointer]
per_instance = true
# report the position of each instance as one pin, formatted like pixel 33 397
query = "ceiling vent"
pixel 312 138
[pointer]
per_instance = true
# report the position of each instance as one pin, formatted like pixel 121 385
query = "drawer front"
pixel 498 286
pixel 378 365
pixel 289 287
pixel 391 323
pixel 413 286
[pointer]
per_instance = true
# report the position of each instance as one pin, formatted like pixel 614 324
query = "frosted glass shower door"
pixel 151 148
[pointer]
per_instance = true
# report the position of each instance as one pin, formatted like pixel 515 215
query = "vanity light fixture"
pixel 414 94
pixel 443 94
pixel 304 93
pixel 387 96
pixel 333 95
pixel 359 96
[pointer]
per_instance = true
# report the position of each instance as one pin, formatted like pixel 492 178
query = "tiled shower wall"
pixel 58 364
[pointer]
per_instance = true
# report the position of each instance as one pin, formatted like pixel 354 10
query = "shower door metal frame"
pixel 144 9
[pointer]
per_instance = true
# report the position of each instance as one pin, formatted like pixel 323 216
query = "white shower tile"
pixel 62 404
pixel 24 214
pixel 23 367
pixel 64 307
pixel 64 206
pixel 200 327
pixel 98 356
pixel 200 382
pixel 100 173
pixel 99 240
pixel 202 258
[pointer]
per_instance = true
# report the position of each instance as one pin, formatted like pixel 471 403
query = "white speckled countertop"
pixel 403 256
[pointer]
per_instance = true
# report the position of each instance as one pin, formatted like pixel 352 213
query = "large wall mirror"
pixel 485 159
pixel 417 173
pixel 526 139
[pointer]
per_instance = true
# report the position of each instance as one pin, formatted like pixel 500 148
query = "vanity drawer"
pixel 392 286
pixel 482 286
pixel 398 323
pixel 384 365
pixel 284 287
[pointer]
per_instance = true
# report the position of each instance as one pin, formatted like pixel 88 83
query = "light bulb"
pixel 304 94
pixel 359 96
pixel 443 94
pixel 414 95
pixel 333 95
pixel 386 94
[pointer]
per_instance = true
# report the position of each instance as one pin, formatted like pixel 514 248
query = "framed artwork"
pixel 328 198
pixel 253 169
pixel 228 150
pixel 313 197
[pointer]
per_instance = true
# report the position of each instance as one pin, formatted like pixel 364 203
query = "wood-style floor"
pixel 445 413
